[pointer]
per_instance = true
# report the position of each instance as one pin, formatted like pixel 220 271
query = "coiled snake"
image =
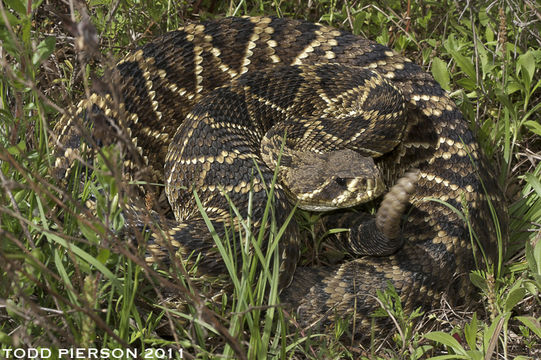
pixel 211 104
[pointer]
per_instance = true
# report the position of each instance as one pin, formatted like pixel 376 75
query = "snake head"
pixel 331 180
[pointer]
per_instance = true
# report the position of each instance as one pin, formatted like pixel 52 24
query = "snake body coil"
pixel 210 101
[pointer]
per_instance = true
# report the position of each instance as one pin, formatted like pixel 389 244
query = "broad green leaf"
pixel 84 256
pixel 532 324
pixel 465 64
pixel 103 255
pixel 486 64
pixel 469 85
pixel 532 262
pixel 478 280
pixel 91 233
pixel 534 182
pixel 440 73
pixel 531 287
pixel 537 256
pixel 489 34
pixel 452 356
pixel 17 5
pixel 491 334
pixel 421 350
pixel 12 20
pixel 474 355
pixel 515 296
pixel 513 86
pixel 470 332
pixel 64 275
pixel 5 339
pixel 44 50
pixel 533 126
pixel 17 149
pixel 447 340
pixel 526 63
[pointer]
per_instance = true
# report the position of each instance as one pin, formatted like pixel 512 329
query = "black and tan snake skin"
pixel 210 101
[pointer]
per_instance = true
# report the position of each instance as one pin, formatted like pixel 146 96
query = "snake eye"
pixel 341 181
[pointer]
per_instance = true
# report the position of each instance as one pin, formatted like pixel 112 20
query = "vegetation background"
pixel 68 280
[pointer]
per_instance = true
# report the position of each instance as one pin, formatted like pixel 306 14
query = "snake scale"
pixel 214 103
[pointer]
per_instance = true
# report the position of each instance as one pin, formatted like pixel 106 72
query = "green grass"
pixel 68 279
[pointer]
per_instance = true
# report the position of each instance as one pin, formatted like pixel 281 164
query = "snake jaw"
pixel 333 180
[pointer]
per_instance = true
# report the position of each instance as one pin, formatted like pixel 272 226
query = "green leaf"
pixel 515 296
pixel 490 335
pixel 84 256
pixel 17 149
pixel 91 232
pixel 103 255
pixel 475 355
pixel 526 63
pixel 421 350
pixel 532 324
pixel 465 64
pixel 533 126
pixel 470 332
pixel 537 256
pixel 533 263
pixel 44 50
pixel 469 85
pixel 447 340
pixel 531 286
pixel 489 34
pixel 64 275
pixel 478 280
pixel 17 5
pixel 440 73
pixel 535 183
pixel 5 339
pixel 12 20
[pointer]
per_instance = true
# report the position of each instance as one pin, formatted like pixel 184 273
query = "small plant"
pixel 405 339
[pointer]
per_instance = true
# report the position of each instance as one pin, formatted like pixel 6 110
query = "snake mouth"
pixel 350 193
pixel 331 180
pixel 316 208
